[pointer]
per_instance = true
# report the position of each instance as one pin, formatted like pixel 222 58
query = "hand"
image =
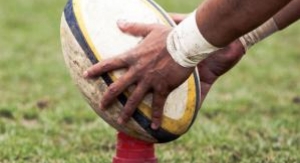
pixel 218 64
pixel 149 66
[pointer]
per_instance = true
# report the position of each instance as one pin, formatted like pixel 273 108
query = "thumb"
pixel 177 17
pixel 135 29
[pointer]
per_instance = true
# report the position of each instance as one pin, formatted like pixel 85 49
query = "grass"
pixel 250 116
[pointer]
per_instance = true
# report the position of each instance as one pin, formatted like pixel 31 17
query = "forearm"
pixel 288 15
pixel 280 20
pixel 217 23
pixel 223 21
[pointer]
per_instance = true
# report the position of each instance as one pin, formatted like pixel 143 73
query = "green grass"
pixel 250 116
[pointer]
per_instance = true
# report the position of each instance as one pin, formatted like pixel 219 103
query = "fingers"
pixel 104 66
pixel 178 18
pixel 133 101
pixel 135 29
pixel 157 110
pixel 116 88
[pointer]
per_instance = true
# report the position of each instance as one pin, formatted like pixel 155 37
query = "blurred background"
pixel 251 114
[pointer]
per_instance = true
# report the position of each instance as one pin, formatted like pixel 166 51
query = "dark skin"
pixel 288 15
pixel 222 61
pixel 219 63
pixel 285 17
pixel 216 64
pixel 150 73
pixel 151 68
pixel 209 69
pixel 222 21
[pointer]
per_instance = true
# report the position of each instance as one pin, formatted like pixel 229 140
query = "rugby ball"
pixel 89 34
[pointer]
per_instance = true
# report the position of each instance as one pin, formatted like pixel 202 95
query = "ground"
pixel 250 116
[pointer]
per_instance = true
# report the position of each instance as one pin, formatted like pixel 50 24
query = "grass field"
pixel 250 116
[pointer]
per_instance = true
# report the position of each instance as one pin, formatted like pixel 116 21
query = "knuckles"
pixel 112 90
pixel 106 66
pixel 131 102
pixel 157 113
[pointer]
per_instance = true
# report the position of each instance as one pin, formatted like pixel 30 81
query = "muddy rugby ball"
pixel 89 34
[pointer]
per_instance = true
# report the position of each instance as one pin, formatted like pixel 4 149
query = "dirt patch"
pixel 43 104
pixel 296 100
pixel 6 114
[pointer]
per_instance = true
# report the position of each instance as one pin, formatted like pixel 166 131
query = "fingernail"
pixel 154 126
pixel 101 107
pixel 122 23
pixel 120 121
pixel 85 74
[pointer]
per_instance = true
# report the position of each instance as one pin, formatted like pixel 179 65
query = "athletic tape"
pixel 263 31
pixel 186 44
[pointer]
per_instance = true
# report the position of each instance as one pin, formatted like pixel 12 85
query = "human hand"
pixel 218 64
pixel 149 66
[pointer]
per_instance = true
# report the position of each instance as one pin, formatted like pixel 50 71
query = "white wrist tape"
pixel 261 32
pixel 186 44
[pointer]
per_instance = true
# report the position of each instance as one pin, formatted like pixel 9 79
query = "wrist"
pixel 186 44
pixel 258 34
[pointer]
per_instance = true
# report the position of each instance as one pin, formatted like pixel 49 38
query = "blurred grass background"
pixel 251 115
